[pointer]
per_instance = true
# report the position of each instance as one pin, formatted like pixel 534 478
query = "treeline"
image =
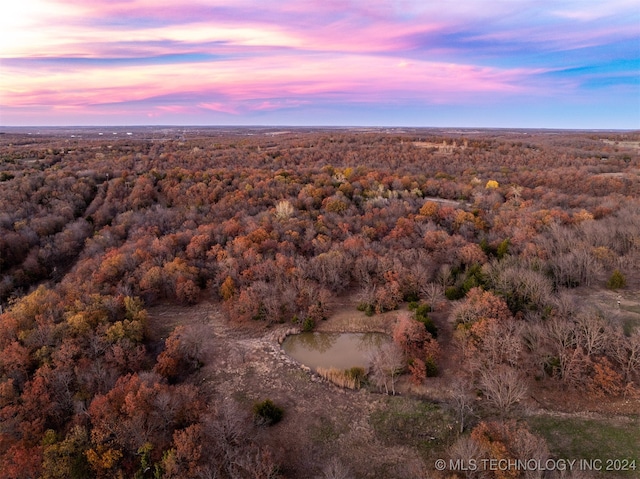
pixel 91 233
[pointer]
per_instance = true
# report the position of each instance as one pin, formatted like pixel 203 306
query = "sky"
pixel 463 63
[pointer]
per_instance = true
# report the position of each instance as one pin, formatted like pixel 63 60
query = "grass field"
pixel 605 439
pixel 414 423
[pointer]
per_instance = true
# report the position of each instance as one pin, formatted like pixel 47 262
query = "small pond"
pixel 333 350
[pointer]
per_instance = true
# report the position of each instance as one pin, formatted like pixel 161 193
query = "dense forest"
pixel 504 265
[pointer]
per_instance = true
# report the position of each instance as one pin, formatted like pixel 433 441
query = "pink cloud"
pixel 281 82
pixel 237 56
pixel 219 107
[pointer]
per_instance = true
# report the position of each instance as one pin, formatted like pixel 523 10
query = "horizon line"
pixel 306 127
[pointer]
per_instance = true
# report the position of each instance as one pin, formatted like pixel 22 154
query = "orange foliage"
pixel 480 304
pixel 605 381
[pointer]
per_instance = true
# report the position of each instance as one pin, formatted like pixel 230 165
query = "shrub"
pixel 261 314
pixel 452 293
pixel 488 249
pixel 411 297
pixel 617 280
pixel 308 325
pixel 431 367
pixel 503 248
pixel 422 309
pixel 367 308
pixel 474 278
pixel 421 314
pixel 429 325
pixel 267 413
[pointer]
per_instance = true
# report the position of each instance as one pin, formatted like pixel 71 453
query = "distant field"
pixel 624 144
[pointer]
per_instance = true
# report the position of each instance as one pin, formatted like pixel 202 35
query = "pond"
pixel 333 350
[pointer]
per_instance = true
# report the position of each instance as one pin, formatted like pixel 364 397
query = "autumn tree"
pixel 139 409
pixel 184 352
pixel 418 345
pixel 509 441
pixel 480 304
pixel 66 458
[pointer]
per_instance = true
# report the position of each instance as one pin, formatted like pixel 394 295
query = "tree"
pixel 489 342
pixel 410 335
pixel 522 288
pixel 284 210
pixel 21 461
pixel 385 365
pixel 605 381
pixel 185 457
pixel 331 269
pixel 420 348
pixel 480 304
pixel 227 289
pixel 433 293
pixel 559 351
pixel 184 353
pixel 510 441
pixel 66 459
pixel 139 409
pixel 503 387
pixel 593 332
pixel 335 469
pixel 462 401
pixel 466 449
pixel 626 351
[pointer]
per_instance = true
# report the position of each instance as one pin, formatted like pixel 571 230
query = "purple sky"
pixel 476 63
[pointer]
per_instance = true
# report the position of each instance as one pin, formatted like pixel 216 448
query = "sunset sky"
pixel 473 63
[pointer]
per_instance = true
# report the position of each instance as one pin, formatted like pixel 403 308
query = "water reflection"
pixel 320 342
pixel 338 350
pixel 370 341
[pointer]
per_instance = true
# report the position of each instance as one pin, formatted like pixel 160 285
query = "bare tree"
pixel 571 260
pixel 516 192
pixel 444 276
pixel 433 293
pixel 462 401
pixel 335 469
pixel 592 332
pixel 226 430
pixel 527 445
pixel 565 305
pixel 626 350
pixel 196 341
pixel 386 364
pixel 331 269
pixel 560 344
pixel 465 450
pixel 503 387
pixel 501 343
pixel 522 286
pixel 284 210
